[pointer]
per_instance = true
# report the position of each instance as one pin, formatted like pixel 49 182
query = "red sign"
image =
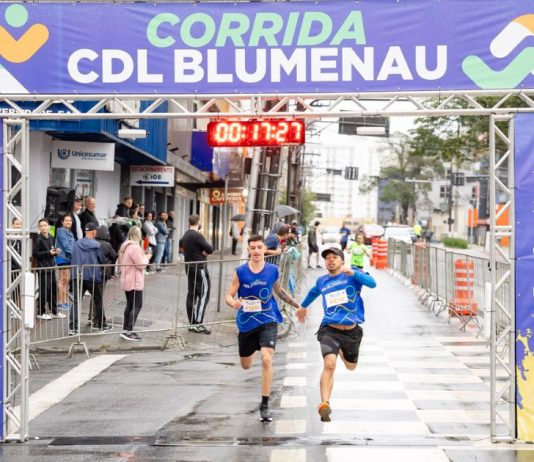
pixel 235 196
pixel 258 132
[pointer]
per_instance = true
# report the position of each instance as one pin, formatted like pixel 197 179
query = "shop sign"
pixel 216 196
pixel 82 155
pixel 152 175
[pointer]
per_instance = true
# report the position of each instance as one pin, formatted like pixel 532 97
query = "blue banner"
pixel 524 282
pixel 2 294
pixel 284 47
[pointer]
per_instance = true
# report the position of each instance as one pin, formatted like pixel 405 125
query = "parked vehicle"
pixel 400 233
pixel 330 234
pixel 370 232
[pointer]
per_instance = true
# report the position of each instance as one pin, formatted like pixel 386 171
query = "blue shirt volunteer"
pixel 259 306
pixel 342 303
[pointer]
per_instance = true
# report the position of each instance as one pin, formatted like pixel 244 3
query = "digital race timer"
pixel 257 132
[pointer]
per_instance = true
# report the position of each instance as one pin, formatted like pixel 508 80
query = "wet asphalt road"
pixel 419 393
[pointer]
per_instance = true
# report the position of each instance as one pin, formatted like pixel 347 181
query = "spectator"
pixel 88 251
pixel 345 233
pixel 88 215
pixel 65 243
pixel 295 230
pixel 17 245
pixel 123 209
pixel 196 249
pixel 110 256
pixel 76 224
pixel 312 244
pixel 278 225
pixel 273 243
pixel 141 210
pixel 134 262
pixel 235 232
pixel 44 253
pixel 161 239
pixel 167 256
pixel 150 231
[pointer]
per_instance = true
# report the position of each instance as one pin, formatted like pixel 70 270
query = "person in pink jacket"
pixel 132 261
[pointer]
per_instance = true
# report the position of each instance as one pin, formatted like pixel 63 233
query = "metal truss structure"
pixel 18 110
pixel 15 254
pixel 331 105
pixel 502 308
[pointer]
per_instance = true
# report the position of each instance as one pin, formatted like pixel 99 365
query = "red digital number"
pixel 248 133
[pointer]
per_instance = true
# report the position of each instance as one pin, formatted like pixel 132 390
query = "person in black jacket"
pixel 44 253
pixel 110 256
pixel 123 210
pixel 88 215
pixel 196 248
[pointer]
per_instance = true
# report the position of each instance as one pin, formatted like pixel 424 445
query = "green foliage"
pixel 308 211
pixel 455 242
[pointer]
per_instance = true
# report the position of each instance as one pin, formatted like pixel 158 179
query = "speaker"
pixel 59 201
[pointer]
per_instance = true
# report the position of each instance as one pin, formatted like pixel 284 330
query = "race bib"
pixel 357 251
pixel 251 306
pixel 336 298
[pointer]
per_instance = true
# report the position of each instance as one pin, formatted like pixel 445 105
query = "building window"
pixel 351 173
pixel 332 171
pixel 444 191
pixel 323 197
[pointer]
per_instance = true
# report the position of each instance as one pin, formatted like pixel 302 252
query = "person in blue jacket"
pixel 340 332
pixel 255 283
pixel 65 243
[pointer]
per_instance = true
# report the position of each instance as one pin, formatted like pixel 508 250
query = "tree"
pixel 307 210
pixel 406 170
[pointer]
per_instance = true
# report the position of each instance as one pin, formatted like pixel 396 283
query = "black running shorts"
pixel 313 248
pixel 348 341
pixel 256 339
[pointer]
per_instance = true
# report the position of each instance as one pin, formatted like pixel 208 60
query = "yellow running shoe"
pixel 324 411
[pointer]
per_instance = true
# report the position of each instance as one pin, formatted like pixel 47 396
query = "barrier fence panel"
pixel 78 302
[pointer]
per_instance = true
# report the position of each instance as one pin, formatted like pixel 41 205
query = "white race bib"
pixel 336 298
pixel 251 306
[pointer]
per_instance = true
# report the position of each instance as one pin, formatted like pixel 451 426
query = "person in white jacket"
pixel 150 230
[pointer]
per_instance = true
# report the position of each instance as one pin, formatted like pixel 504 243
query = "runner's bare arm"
pixel 284 296
pixel 232 290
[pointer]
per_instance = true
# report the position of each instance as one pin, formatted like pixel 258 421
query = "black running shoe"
pixel 265 414
pixel 203 330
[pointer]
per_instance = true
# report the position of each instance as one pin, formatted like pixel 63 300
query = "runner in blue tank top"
pixel 340 331
pixel 255 283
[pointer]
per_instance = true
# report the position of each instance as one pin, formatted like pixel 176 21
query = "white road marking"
pixel 398 454
pixel 294 381
pixel 460 395
pixel 292 401
pixel 372 404
pixel 288 455
pixel 57 390
pixel 455 416
pixel 296 355
pixel 369 385
pixel 298 366
pixel 431 364
pixel 370 428
pixel 289 427
pixel 440 378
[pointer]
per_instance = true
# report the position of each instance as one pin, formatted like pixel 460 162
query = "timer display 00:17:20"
pixel 247 133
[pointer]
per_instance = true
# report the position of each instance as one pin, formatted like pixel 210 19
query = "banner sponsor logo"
pixel 79 155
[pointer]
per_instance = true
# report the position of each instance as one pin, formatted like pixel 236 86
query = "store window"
pixel 80 180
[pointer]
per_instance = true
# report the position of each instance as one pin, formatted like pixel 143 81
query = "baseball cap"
pixel 91 226
pixel 333 250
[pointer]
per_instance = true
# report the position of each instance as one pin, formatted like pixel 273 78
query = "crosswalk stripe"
pixel 288 455
pixel 373 404
pixel 289 427
pixel 459 395
pixel 398 454
pixel 292 401
pixel 440 378
pixel 370 428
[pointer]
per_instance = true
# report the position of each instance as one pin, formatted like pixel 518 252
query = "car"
pixel 369 232
pixel 330 235
pixel 400 233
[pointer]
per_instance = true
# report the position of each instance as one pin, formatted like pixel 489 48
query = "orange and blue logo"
pixel 22 49
pixel 501 47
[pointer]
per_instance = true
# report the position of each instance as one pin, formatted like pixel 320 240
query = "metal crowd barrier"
pixel 90 306
pixel 448 280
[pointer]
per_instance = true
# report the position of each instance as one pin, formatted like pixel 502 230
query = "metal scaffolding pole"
pixel 502 347
pixel 16 248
